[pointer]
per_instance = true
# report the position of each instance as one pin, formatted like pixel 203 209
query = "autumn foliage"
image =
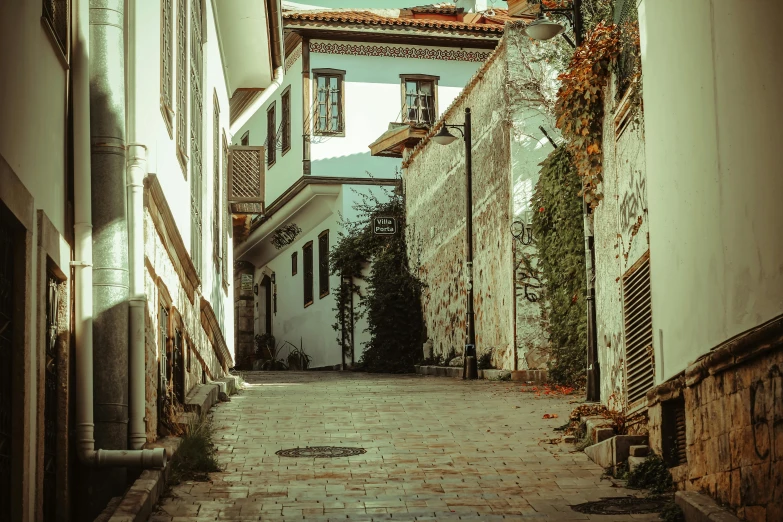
pixel 580 105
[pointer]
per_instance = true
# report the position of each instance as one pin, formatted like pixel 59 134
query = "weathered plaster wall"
pixel 435 184
pixel 529 147
pixel 621 237
pixel 161 273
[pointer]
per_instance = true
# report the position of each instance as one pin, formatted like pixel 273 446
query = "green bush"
pixel 651 474
pixel 558 227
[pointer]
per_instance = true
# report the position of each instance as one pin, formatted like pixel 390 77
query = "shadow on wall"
pixel 355 165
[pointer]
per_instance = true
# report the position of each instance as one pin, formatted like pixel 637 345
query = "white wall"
pixel 33 86
pixel 713 78
pixel 146 125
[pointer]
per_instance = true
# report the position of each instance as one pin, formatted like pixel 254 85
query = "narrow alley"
pixel 436 449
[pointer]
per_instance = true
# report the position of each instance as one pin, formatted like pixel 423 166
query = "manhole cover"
pixel 321 452
pixel 622 506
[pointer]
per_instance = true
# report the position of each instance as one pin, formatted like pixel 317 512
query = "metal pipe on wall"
pixel 83 266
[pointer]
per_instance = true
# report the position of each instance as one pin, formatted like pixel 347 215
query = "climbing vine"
pixel 392 301
pixel 580 105
pixel 558 229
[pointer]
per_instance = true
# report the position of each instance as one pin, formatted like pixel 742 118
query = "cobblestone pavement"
pixel 437 449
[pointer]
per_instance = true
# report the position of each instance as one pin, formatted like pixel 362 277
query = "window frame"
pixel 323 264
pixel 61 42
pixel 285 117
pixel 294 263
pixel 308 277
pixel 167 58
pixel 339 74
pixel 271 134
pixel 183 58
pixel 405 78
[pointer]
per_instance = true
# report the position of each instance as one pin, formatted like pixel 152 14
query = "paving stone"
pixel 437 449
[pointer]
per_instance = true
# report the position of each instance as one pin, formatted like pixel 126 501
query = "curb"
pixel 531 376
pixel 140 499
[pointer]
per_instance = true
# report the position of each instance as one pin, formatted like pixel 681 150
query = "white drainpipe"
pixel 136 171
pixel 83 310
pixel 259 102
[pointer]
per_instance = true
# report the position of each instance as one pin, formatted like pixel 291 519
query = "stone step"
pixel 633 462
pixel 639 451
pixel 613 451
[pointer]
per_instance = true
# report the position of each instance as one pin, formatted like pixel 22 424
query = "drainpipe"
pixel 137 170
pixel 83 287
pixel 259 102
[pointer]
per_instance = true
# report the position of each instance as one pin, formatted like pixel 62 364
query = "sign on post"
pixel 384 226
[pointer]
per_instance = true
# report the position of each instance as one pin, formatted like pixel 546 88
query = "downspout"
pixel 259 102
pixel 83 309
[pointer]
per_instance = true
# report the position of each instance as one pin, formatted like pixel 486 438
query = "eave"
pixel 399 137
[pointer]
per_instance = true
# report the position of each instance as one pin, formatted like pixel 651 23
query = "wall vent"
pixel 637 317
pixel 673 432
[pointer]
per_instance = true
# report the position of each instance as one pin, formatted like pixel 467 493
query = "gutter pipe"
pixel 83 330
pixel 259 102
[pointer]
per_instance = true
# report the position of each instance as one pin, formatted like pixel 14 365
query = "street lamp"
pixel 444 137
pixel 542 28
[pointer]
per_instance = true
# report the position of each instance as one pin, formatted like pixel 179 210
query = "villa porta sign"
pixel 384 226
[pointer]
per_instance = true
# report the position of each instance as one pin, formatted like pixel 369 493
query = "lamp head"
pixel 542 28
pixel 444 137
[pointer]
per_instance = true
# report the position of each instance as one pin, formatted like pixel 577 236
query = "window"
pixel 286 116
pixel 226 215
pixel 294 263
pixel 182 88
pixel 307 253
pixel 329 101
pixel 166 28
pixel 216 237
pixel 323 263
pixel 271 137
pixel 196 139
pixel 245 140
pixel 56 14
pixel 419 104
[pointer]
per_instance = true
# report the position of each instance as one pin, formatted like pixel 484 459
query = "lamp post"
pixel 444 137
pixel 544 29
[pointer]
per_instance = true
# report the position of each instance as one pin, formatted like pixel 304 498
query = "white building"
pixel 113 219
pixel 348 74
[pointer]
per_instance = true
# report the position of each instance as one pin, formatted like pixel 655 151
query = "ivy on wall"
pixel 559 232
pixel 392 301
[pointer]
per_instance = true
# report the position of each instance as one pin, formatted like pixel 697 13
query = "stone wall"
pixel 507 149
pixel 620 228
pixel 435 189
pixel 162 278
pixel 734 423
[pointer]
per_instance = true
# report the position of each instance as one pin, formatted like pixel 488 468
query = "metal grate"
pixel 178 368
pixel 196 138
pixel 182 88
pixel 7 299
pixel 56 12
pixel 673 432
pixel 226 215
pixel 246 179
pixel 216 237
pixel 163 363
pixel 321 452
pixel 637 316
pixel 165 54
pixel 307 254
pixel 51 407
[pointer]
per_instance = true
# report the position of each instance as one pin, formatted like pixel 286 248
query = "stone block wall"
pixel 161 276
pixel 734 424
pixel 435 188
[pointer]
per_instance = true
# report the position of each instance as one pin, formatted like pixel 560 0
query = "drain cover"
pixel 321 452
pixel 622 506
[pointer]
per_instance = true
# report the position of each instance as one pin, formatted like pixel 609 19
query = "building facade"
pixel 115 273
pixel 348 75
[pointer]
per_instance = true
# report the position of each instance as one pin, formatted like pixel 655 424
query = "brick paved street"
pixel 437 449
